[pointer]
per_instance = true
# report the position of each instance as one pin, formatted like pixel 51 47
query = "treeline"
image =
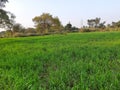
pixel 97 25
pixel 46 24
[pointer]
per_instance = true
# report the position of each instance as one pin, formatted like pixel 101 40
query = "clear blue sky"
pixel 75 11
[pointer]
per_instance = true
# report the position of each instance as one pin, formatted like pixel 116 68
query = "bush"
pixel 85 30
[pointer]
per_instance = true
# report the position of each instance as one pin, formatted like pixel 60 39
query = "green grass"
pixel 79 61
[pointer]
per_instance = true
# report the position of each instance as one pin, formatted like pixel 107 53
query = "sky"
pixel 74 11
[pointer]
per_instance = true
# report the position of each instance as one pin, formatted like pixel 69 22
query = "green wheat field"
pixel 75 61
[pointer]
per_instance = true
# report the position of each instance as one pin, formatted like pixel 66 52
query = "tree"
pixel 91 23
pixel 43 22
pixel 56 25
pixel 2 3
pixel 46 23
pixel 6 18
pixel 18 28
pixel 102 25
pixel 8 33
pixel 95 23
pixel 68 27
pixel 116 24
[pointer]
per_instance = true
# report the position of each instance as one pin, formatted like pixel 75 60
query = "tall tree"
pixel 43 22
pixel 97 22
pixel 6 18
pixel 46 23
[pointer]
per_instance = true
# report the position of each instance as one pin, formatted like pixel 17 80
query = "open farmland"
pixel 76 61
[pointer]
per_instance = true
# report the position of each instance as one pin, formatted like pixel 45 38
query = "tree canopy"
pixel 2 3
pixel 47 23
pixel 68 27
pixel 96 23
pixel 6 18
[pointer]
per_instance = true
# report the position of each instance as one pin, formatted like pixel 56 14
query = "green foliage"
pixel 47 23
pixel 115 24
pixel 18 28
pixel 95 23
pixel 70 28
pixel 6 18
pixel 87 61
